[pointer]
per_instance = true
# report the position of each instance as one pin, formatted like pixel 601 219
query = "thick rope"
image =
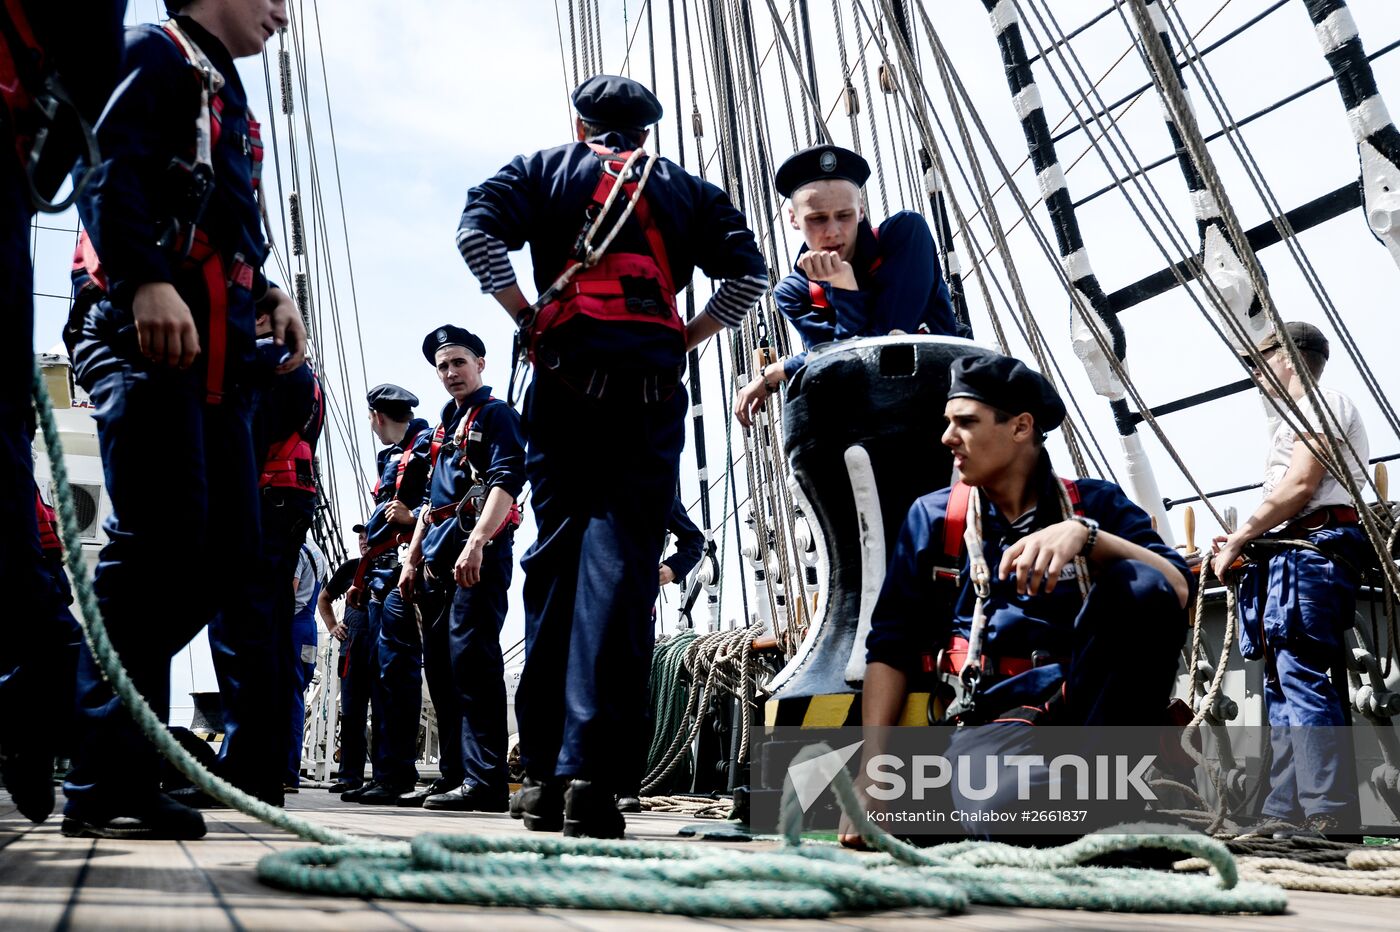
pixel 799 881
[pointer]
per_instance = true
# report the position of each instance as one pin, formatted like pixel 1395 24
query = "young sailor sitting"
pixel 851 279
pixel 1084 614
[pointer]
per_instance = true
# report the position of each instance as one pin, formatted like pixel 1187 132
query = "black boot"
pixel 161 819
pixel 540 804
pixel 467 798
pixel 345 786
pixel 591 812
pixel 379 794
pixel 28 776
pixel 414 796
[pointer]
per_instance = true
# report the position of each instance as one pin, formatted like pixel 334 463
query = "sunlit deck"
pixel 51 882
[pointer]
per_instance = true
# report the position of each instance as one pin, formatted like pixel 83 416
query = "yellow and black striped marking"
pixel 834 710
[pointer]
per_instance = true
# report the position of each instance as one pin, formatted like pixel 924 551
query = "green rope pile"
pixel 799 881
pixel 668 697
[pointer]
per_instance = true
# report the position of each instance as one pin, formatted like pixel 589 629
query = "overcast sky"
pixel 429 97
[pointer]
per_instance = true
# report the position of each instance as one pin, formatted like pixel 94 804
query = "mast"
pixel 1094 324
pixel 1377 139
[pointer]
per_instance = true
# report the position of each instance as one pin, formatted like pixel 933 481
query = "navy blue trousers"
pixel 183 547
pixel 285 518
pixel 359 690
pixel 474 619
pixel 28 631
pixel 404 657
pixel 1124 652
pixel 603 478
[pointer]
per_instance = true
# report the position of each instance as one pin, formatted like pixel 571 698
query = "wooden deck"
pixel 51 882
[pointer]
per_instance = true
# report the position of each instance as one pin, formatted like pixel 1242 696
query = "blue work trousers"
pixel 603 478
pixel 359 690
pixel 183 548
pixel 1294 609
pixel 301 668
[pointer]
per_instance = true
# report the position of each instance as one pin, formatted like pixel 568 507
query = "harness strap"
pixel 49 541
pixel 373 553
pixel 211 82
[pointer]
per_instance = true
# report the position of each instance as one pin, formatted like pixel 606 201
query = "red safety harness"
pixel 49 540
pixel 949 661
pixel 196 248
pixel 289 462
pixel 21 68
pixel 602 292
pixel 461 438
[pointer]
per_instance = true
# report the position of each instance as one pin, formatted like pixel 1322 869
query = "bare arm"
pixel 323 608
pixel 701 329
pixel 512 299
pixel 1297 486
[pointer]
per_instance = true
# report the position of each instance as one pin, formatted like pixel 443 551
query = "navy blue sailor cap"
pixel 616 102
pixel 1009 385
pixel 452 335
pixel 391 399
pixel 819 163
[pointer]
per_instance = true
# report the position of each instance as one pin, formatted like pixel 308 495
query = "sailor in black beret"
pixel 609 345
pixel 452 335
pixel 851 279
pixel 610 101
pixel 398 403
pixel 819 163
pixel 1084 605
pixel 1008 385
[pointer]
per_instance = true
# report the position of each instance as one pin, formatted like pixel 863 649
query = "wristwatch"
pixel 1092 527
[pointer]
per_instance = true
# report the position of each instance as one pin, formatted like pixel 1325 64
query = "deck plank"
pixel 211 885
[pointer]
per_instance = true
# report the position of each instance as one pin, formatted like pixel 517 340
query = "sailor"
pixel 851 279
pixel 458 572
pixel 174 240
pixel 1055 642
pixel 359 669
pixel 609 349
pixel 399 492
pixel 40 52
pixel 1298 599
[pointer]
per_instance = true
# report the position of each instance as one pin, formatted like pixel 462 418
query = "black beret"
pixel 391 399
pixel 358 529
pixel 616 102
pixel 817 163
pixel 1007 384
pixel 451 335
